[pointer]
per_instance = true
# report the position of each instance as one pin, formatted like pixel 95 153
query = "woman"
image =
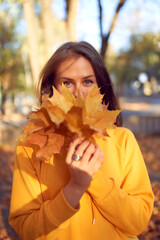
pixel 93 192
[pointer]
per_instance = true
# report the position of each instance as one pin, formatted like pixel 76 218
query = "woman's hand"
pixel 81 171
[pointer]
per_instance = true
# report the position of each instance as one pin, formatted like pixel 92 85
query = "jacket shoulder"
pixel 120 136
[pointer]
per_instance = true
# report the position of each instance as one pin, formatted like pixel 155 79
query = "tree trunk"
pixel 48 30
pixel 7 84
pixel 104 45
pixel 72 8
pixel 105 38
pixel 33 38
pixel 3 100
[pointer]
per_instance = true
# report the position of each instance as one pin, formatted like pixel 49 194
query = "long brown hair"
pixel 76 50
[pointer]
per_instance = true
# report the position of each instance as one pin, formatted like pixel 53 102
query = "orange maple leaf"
pixel 37 120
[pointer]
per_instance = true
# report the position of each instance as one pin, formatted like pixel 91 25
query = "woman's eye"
pixel 67 83
pixel 87 82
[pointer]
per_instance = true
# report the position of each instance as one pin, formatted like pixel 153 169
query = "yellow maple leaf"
pixel 69 97
pixel 96 115
pixel 56 113
pixel 62 101
pixel 79 114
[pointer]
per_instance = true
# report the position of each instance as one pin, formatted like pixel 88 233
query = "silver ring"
pixel 76 157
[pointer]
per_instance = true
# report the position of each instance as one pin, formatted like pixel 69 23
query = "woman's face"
pixel 75 74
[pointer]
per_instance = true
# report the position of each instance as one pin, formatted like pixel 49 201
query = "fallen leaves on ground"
pixel 152 232
pixel 149 146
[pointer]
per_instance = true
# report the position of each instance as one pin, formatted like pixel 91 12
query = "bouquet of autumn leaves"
pixel 63 117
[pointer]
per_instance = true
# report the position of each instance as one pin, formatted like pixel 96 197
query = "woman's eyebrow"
pixel 89 76
pixel 67 78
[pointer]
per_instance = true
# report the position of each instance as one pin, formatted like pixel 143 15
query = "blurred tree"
pixel 33 37
pixel 143 55
pixel 105 37
pixel 49 36
pixel 53 29
pixel 71 9
pixel 44 30
pixel 11 62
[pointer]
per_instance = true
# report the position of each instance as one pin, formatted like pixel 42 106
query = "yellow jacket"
pixel 117 205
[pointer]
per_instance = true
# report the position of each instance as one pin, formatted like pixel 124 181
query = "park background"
pixel 126 33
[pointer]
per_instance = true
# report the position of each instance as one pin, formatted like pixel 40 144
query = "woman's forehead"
pixel 75 65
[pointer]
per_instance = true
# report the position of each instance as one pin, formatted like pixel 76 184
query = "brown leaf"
pixel 54 145
pixel 38 138
pixel 37 120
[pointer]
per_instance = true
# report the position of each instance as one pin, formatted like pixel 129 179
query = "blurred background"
pixel 126 33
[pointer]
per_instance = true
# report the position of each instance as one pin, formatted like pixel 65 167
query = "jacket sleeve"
pixel 31 216
pixel 129 205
